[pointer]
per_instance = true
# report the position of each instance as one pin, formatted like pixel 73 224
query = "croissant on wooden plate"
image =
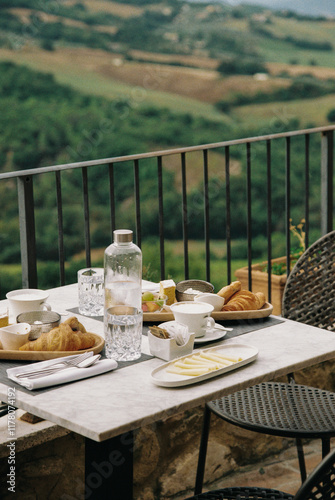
pixel 74 324
pixel 244 300
pixel 228 291
pixel 61 338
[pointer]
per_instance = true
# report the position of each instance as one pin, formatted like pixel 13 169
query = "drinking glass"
pixel 91 291
pixel 123 333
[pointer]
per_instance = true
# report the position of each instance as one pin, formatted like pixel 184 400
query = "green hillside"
pixel 95 79
pixel 170 50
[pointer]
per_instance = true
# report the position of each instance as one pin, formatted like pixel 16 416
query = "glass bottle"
pixel 123 297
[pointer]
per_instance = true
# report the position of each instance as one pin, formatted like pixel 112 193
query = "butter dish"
pixel 14 336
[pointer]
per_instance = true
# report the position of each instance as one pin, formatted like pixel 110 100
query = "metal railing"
pixel 325 136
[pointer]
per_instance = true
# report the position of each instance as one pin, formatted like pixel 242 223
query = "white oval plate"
pixel 248 354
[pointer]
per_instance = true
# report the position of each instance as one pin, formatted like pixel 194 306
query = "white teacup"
pixel 210 298
pixel 26 300
pixel 195 315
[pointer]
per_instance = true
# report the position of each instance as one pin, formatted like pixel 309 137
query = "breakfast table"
pixel 108 408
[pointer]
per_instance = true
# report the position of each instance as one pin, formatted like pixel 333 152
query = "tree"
pixel 331 116
pixel 241 66
pixel 47 45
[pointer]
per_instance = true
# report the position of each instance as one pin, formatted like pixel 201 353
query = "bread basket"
pixel 196 285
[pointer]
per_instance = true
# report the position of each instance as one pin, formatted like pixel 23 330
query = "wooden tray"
pixel 265 311
pixel 43 355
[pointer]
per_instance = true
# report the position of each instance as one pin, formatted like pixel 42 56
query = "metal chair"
pixel 289 410
pixel 320 485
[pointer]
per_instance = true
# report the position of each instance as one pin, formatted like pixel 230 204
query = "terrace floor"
pixel 278 472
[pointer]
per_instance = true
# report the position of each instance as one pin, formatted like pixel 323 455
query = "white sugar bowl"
pixel 12 337
pixel 210 298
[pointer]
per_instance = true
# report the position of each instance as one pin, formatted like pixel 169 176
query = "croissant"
pixel 61 338
pixel 74 324
pixel 227 291
pixel 245 301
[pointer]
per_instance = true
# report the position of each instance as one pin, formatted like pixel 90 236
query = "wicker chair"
pixel 320 485
pixel 289 410
pixel 309 295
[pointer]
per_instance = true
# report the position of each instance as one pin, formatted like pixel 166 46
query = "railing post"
pixel 86 217
pixel 27 231
pixel 327 172
pixel 228 212
pixel 206 214
pixel 288 204
pixel 249 234
pixel 137 203
pixel 185 215
pixel 161 216
pixel 60 228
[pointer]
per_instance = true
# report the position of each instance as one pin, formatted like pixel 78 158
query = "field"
pixel 95 72
pixel 186 79
pixel 312 114
pixel 119 9
pixel 183 89
pixel 81 67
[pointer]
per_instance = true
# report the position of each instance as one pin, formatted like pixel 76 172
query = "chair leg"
pixel 327 489
pixel 301 458
pixel 325 447
pixel 199 479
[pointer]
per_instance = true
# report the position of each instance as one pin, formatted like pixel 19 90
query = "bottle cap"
pixel 123 236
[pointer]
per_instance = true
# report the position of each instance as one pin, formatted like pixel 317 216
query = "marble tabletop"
pixel 126 399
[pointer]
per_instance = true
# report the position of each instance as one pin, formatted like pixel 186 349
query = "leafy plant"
pixel 279 268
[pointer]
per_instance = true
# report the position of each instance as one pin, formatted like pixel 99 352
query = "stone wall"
pixel 165 455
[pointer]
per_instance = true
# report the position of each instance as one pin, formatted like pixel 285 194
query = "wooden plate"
pixel 43 355
pixel 265 311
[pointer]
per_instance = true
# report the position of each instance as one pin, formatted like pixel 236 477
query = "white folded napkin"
pixel 150 286
pixel 63 376
pixel 178 332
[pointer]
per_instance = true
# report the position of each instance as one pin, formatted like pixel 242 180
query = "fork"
pixel 48 370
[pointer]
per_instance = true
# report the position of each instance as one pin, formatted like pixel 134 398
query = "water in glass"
pixel 91 291
pixel 123 293
pixel 123 334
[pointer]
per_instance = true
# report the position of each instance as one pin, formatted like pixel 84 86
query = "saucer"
pixel 211 336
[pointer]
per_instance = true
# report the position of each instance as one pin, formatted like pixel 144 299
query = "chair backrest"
pixel 320 484
pixel 309 294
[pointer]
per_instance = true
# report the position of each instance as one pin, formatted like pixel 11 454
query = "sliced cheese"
pixel 218 359
pixel 218 356
pixel 201 363
pixel 168 288
pixel 190 372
